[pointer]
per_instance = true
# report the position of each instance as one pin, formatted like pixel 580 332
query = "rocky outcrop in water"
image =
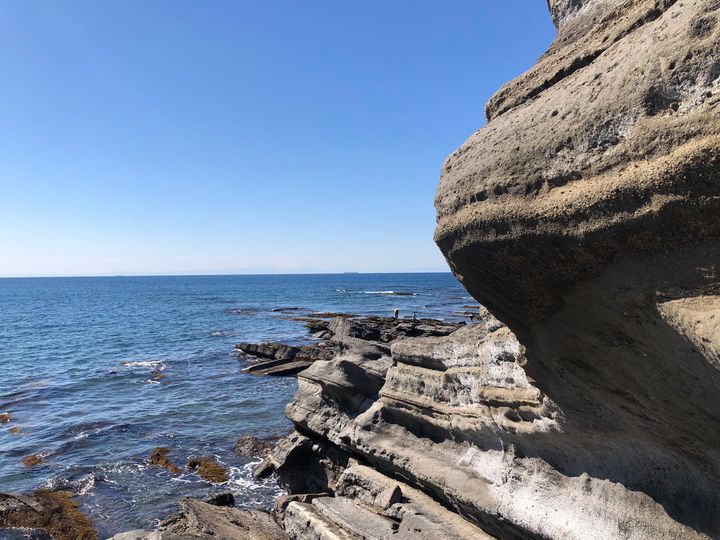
pixel 51 512
pixel 336 335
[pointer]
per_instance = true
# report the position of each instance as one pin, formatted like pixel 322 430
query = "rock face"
pixel 585 216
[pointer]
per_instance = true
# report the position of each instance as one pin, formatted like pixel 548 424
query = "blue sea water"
pixel 77 356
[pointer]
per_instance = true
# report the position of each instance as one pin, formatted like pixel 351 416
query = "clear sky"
pixel 178 136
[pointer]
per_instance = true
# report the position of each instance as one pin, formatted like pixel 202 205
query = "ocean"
pixel 78 358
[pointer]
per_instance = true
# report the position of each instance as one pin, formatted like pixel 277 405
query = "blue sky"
pixel 179 136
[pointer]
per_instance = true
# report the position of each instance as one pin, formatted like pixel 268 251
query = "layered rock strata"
pixel 334 336
pixel 585 216
pixel 433 440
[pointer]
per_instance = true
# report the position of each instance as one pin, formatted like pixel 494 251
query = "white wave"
pixel 157 365
pixel 86 485
pixel 241 480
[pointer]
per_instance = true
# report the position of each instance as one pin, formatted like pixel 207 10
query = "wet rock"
pixel 55 512
pixel 209 469
pixel 159 458
pixel 157 376
pixel 249 446
pixel 15 430
pixel 32 461
pixel 5 418
pixel 222 499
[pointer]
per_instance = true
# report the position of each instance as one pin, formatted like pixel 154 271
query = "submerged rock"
pixel 209 469
pixel 52 511
pixel 159 458
pixel 32 460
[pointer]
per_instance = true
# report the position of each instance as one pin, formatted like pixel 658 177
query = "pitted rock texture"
pixel 585 216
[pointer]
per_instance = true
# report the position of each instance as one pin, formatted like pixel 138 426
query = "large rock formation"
pixel 584 215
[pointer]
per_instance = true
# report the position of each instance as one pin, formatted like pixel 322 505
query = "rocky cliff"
pixel 584 216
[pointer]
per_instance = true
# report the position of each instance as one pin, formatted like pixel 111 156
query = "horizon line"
pixel 80 276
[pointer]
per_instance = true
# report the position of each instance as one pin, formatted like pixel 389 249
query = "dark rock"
pixel 222 499
pixel 282 359
pixel 250 446
pixel 304 465
pixel 5 417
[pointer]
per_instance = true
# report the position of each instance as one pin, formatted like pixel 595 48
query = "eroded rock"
pixel 584 215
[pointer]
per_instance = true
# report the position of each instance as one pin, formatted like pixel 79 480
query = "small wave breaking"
pixel 157 365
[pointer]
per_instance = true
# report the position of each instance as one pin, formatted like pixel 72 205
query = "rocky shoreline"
pixel 584 216
pixel 368 339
